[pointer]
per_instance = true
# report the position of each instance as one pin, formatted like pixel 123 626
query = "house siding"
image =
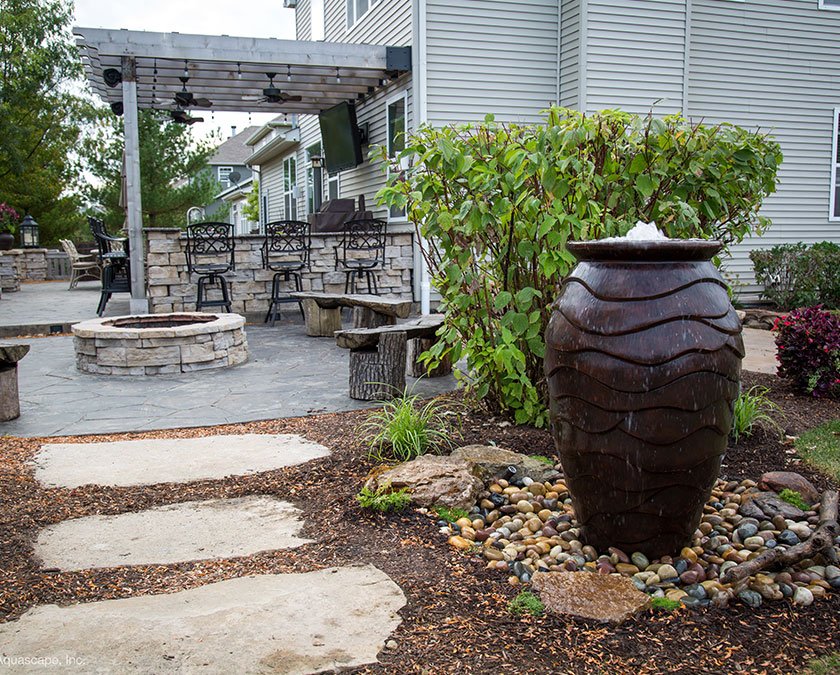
pixel 271 184
pixel 496 56
pixel 570 53
pixel 634 55
pixel 773 65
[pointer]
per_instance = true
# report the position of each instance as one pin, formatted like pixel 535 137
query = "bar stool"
pixel 360 252
pixel 285 252
pixel 210 248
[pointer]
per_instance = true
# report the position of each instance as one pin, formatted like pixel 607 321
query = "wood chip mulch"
pixel 456 619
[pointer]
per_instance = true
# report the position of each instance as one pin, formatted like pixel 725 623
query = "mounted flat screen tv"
pixel 340 137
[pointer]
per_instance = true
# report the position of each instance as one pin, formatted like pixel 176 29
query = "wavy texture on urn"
pixel 643 359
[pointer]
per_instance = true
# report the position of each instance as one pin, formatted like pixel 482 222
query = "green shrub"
pixel 794 498
pixel 796 275
pixel 450 515
pixel 383 499
pixel 526 603
pixel 752 407
pixel 664 604
pixel 497 203
pixel 820 447
pixel 404 429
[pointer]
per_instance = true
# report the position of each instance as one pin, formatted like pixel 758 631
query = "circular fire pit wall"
pixel 643 358
pixel 159 344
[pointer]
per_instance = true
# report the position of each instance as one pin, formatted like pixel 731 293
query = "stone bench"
pixel 322 311
pixel 380 356
pixel 9 399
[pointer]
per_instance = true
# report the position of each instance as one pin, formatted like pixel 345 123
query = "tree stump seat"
pixel 380 356
pixel 322 311
pixel 10 354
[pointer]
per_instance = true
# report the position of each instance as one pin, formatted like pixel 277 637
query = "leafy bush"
pixel 383 499
pixel 808 342
pixel 796 275
pixel 526 603
pixel 403 429
pixel 752 407
pixel 794 498
pixel 495 205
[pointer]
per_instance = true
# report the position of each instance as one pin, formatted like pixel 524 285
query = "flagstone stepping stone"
pixel 170 460
pixel 217 528
pixel 291 623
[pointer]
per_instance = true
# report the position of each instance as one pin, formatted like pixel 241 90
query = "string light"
pixel 337 76
pixel 289 73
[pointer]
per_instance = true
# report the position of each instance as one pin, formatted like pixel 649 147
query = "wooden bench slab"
pixel 322 311
pixel 366 338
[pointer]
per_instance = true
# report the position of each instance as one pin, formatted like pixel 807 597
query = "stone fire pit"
pixel 160 344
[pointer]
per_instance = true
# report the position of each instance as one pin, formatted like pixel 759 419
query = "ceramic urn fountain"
pixel 643 359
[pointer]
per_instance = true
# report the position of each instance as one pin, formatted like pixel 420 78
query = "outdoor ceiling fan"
pixel 186 99
pixel 272 94
pixel 181 116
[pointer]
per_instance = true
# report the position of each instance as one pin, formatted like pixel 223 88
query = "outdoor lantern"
pixel 317 161
pixel 29 236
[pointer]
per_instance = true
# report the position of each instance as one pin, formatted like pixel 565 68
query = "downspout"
pixel 418 84
pixel 582 37
pixel 686 58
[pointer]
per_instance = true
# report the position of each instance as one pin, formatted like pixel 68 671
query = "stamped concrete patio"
pixel 287 374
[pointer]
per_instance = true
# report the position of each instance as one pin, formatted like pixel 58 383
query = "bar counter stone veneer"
pixel 171 289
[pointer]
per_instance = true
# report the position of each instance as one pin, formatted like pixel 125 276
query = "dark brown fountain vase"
pixel 643 359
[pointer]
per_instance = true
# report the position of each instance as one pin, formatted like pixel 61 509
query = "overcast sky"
pixel 252 18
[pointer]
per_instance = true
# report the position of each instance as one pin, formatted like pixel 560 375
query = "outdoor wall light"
pixel 317 161
pixel 112 77
pixel 29 235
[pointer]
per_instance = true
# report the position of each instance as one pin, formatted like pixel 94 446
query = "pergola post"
pixel 139 304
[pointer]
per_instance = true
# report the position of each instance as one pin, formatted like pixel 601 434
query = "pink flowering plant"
pixel 808 342
pixel 9 218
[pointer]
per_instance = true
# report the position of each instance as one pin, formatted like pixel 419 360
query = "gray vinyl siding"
pixel 496 56
pixel 773 65
pixel 303 20
pixel 635 55
pixel 570 53
pixel 388 22
pixel 271 185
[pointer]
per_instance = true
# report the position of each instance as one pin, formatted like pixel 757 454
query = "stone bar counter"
pixel 172 289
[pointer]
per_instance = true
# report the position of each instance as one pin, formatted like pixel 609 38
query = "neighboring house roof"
pixel 234 150
pixel 236 191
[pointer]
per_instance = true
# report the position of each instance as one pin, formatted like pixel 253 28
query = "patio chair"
pixel 114 258
pixel 210 250
pixel 286 253
pixel 81 266
pixel 360 252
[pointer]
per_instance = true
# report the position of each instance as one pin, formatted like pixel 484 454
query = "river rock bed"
pixel 521 527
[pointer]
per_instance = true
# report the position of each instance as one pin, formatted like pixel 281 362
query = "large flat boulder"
pixel 605 598
pixel 789 480
pixel 328 620
pixel 488 461
pixel 434 480
pixel 766 505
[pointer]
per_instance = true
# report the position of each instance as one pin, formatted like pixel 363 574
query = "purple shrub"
pixel 808 342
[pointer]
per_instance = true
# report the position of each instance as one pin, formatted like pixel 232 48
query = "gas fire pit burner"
pixel 159 344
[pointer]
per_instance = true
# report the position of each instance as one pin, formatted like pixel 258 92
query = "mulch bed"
pixel 456 618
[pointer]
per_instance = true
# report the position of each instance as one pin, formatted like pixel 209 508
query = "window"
pixel 356 9
pixel 395 110
pixel 830 4
pixel 290 188
pixel 264 212
pixel 224 175
pixel 317 19
pixel 333 186
pixel 834 207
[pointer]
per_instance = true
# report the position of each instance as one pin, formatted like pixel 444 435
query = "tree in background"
pixel 174 174
pixel 251 210
pixel 40 119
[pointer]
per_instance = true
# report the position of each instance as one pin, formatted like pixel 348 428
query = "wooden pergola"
pixel 130 70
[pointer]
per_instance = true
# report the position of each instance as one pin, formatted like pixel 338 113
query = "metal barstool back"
pixel 285 252
pixel 210 255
